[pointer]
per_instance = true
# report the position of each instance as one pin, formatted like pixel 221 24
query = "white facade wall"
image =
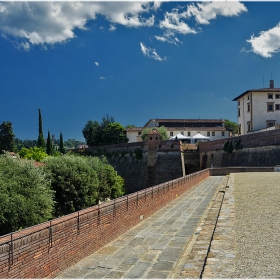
pixel 244 116
pixel 133 135
pixel 258 114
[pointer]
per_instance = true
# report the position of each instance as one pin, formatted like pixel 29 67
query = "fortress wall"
pixel 46 249
pixel 259 149
pixel 142 164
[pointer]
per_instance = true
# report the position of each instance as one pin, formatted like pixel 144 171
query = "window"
pixel 277 106
pixel 239 129
pixel 248 107
pixel 277 96
pixel 223 133
pixel 238 102
pixel 270 96
pixel 213 133
pixel 270 123
pixel 189 134
pixel 208 133
pixel 151 138
pixel 270 107
pixel 171 133
pixel 248 97
pixel 248 126
pixel 139 133
pixel 238 112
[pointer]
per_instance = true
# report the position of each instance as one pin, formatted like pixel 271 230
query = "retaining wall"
pixel 46 249
pixel 259 149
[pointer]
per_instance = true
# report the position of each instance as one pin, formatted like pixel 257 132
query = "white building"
pixel 213 128
pixel 258 109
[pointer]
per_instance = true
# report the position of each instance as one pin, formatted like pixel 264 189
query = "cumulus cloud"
pixel 96 63
pixel 151 53
pixel 172 21
pixel 204 12
pixel 175 22
pixel 54 22
pixel 267 43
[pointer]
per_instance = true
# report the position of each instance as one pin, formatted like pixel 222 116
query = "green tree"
pixel 61 144
pixel 111 185
pixel 7 137
pixel 41 140
pixel 106 120
pixel 162 132
pixel 114 133
pixel 93 133
pixel 25 195
pixel 231 126
pixel 75 183
pixel 71 143
pixel 130 126
pixel 49 145
pixel 35 153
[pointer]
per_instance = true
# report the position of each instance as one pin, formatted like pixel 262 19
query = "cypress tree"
pixel 41 140
pixel 49 145
pixel 61 144
pixel 7 137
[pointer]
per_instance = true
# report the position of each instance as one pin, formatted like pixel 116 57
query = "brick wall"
pixel 46 249
pixel 259 149
pixel 266 138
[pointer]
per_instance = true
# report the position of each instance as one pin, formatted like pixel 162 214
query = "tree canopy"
pixel 35 153
pixel 231 126
pixel 25 195
pixel 41 140
pixel 7 137
pixel 162 132
pixel 104 133
pixel 80 182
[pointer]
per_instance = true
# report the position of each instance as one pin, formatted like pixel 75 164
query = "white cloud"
pixel 203 12
pixel 149 52
pixel 102 78
pixel 267 43
pixel 54 22
pixel 175 21
pixel 96 63
pixel 172 21
pixel 112 27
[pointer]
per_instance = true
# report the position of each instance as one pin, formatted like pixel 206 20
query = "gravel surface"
pixel 257 225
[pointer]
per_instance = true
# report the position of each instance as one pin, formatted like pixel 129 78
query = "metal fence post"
pixel 50 235
pixel 98 218
pixel 11 252
pixel 78 223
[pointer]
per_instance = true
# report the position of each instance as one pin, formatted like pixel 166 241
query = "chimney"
pixel 271 83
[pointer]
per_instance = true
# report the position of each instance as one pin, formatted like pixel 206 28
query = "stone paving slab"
pixel 153 248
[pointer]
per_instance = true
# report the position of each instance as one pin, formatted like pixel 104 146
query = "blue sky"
pixel 132 60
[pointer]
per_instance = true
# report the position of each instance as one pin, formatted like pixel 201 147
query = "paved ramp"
pixel 153 248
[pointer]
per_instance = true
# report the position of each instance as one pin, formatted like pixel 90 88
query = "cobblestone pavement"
pixel 157 247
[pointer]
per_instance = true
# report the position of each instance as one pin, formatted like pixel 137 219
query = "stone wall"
pixel 144 164
pixel 259 149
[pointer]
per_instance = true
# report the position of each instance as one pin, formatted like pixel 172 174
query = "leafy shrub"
pixel 25 195
pixel 75 183
pixel 80 182
pixel 111 185
pixel 38 154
